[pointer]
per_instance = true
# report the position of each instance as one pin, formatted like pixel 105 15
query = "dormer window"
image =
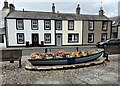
pixel 34 24
pixel 20 25
pixel 91 25
pixel 104 25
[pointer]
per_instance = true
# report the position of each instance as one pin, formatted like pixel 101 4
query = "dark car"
pixel 113 41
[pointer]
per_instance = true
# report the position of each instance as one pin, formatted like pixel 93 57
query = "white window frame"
pixel 34 23
pixel 104 25
pixel 73 38
pixel 47 38
pixel 20 38
pixel 90 37
pixel 19 24
pixel 70 25
pixel 91 25
pixel 58 24
pixel 47 24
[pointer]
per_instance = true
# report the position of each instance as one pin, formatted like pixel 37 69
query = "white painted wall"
pixel 12 31
pixel 119 31
pixel 65 31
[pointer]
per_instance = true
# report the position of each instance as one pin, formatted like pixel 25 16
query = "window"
pixel 104 36
pixel 20 38
pixel 20 24
pixel 104 25
pixel 90 37
pixel 70 25
pixel 47 38
pixel 91 25
pixel 73 38
pixel 47 24
pixel 34 24
pixel 1 38
pixel 58 25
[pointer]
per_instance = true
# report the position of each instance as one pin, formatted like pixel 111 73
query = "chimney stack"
pixel 5 4
pixel 101 11
pixel 53 9
pixel 11 7
pixel 78 10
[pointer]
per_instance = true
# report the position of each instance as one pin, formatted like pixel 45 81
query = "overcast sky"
pixel 69 6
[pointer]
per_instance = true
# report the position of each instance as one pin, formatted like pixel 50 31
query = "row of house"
pixel 35 28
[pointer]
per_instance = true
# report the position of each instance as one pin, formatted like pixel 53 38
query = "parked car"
pixel 112 41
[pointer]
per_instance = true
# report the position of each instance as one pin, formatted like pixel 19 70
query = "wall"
pixel 119 31
pixel 65 31
pixel 97 31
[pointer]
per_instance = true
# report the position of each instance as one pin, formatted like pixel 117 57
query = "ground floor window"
pixel 20 38
pixel 73 38
pixel 90 37
pixel 47 38
pixel 1 38
pixel 103 36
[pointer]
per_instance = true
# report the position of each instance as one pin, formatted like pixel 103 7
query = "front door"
pixel 35 39
pixel 58 39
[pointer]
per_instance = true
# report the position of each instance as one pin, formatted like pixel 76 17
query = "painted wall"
pixel 12 32
pixel 65 31
pixel 97 31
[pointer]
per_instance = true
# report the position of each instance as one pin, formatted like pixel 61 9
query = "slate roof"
pixel 116 20
pixel 50 15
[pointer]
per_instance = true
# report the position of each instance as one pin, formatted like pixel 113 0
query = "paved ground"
pixel 100 74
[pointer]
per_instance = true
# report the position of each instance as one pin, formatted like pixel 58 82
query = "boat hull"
pixel 65 61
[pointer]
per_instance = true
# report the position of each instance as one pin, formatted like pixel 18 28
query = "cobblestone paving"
pixel 101 74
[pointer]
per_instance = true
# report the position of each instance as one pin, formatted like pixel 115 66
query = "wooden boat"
pixel 65 61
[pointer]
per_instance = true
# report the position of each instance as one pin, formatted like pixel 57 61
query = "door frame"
pixel 37 39
pixel 56 38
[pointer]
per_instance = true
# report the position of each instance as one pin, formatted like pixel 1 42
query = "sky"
pixel 69 6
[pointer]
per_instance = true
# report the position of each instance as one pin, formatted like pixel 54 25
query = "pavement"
pixel 106 73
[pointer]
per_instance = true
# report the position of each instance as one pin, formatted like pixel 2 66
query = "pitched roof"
pixel 116 20
pixel 50 15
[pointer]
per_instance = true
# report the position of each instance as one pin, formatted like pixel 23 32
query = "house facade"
pixel 35 28
pixel 3 14
pixel 115 32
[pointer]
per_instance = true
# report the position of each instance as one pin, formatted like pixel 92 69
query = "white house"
pixel 43 28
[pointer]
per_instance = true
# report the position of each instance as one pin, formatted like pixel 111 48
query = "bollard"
pixel 105 54
pixel 45 50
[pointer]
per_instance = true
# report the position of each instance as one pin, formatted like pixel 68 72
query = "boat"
pixel 65 61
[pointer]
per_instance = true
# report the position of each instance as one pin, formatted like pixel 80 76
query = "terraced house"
pixel 36 28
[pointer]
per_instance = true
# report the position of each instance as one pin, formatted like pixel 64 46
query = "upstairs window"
pixel 20 38
pixel 90 37
pixel 47 38
pixel 34 24
pixel 70 25
pixel 20 25
pixel 47 24
pixel 91 25
pixel 73 38
pixel 104 25
pixel 58 25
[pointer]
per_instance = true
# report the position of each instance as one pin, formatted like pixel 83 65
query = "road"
pixel 28 51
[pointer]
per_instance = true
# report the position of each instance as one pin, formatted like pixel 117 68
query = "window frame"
pixel 104 24
pixel 92 38
pixel 59 25
pixel 22 24
pixel 45 37
pixel 18 38
pixel 91 29
pixel 45 24
pixel 34 24
pixel 73 37
pixel 69 24
pixel 102 36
